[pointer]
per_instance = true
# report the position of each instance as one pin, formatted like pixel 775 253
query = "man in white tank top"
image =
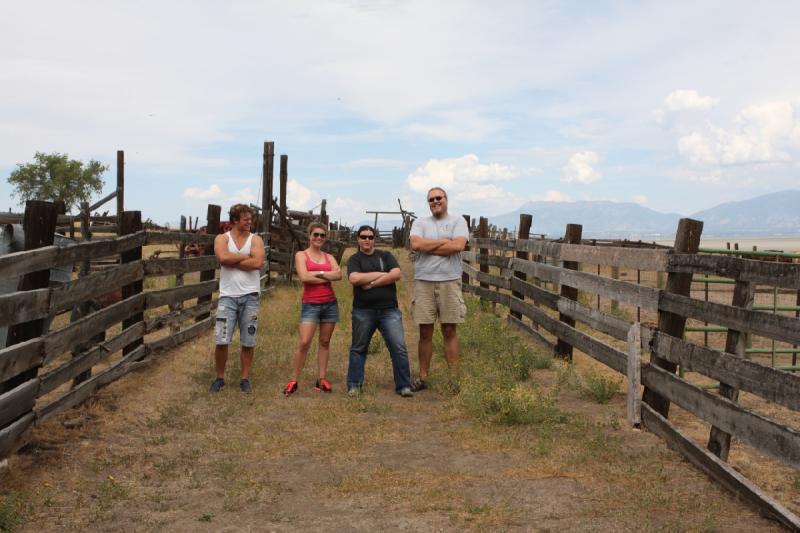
pixel 241 255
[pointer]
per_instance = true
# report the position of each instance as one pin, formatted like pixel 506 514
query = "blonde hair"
pixel 315 225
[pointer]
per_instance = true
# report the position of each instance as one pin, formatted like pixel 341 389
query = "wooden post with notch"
pixel 212 228
pixel 483 233
pixel 687 241
pixel 174 328
pixel 572 236
pixel 719 442
pixel 120 189
pixel 131 222
pixel 634 374
pixel 524 233
pixel 284 179
pixel 266 189
pixel 39 226
pixel 464 275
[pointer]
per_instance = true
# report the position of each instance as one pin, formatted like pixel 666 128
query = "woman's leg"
pixel 324 350
pixel 307 330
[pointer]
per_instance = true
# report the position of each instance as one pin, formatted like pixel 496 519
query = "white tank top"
pixel 234 281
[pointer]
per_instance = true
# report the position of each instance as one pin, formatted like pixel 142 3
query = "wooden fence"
pixel 42 373
pixel 539 282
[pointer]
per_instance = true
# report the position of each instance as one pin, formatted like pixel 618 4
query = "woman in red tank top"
pixel 316 270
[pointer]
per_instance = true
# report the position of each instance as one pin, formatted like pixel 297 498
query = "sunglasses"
pixel 366 237
pixel 435 199
pixel 318 235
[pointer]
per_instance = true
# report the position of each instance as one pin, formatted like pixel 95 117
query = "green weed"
pixel 598 387
pixel 13 509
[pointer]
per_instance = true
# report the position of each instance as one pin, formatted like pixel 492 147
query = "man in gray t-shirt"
pixel 438 241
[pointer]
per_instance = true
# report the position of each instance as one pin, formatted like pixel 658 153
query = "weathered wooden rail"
pixel 520 274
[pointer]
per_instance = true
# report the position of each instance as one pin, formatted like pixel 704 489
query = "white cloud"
pixel 195 193
pixel 761 133
pixel 300 197
pixel 640 199
pixel 683 99
pixel 580 168
pixel 244 196
pixel 552 196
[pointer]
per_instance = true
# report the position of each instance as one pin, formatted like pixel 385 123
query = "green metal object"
pixel 760 253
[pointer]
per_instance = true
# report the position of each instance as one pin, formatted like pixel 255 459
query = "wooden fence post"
pixel 483 233
pixel 464 275
pixel 39 225
pixel 524 234
pixel 131 222
pixel 120 189
pixel 212 228
pixel 614 275
pixel 266 189
pixel 179 277
pixel 634 374
pixel 572 236
pixel 687 241
pixel 719 442
pixel 284 179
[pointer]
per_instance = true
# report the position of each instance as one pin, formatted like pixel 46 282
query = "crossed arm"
pixel 314 277
pixel 443 247
pixel 370 280
pixel 254 261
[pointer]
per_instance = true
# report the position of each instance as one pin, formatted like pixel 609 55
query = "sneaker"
pixel 354 392
pixel 244 385
pixel 406 392
pixel 322 385
pixel 418 384
pixel 290 388
pixel 217 385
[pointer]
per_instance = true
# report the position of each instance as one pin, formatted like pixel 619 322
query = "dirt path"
pixel 157 452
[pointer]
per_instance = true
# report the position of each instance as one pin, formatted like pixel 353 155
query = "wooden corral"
pixel 539 282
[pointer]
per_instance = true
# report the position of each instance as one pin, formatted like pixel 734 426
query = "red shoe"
pixel 322 385
pixel 290 388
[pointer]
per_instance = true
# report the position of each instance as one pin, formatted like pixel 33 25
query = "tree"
pixel 55 177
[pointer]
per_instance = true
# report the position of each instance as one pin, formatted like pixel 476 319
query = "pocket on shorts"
pixel 462 307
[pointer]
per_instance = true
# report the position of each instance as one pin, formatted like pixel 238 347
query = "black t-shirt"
pixel 383 297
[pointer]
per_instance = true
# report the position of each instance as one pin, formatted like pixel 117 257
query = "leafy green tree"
pixel 55 177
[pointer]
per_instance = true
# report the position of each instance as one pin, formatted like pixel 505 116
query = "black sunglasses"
pixel 435 199
pixel 318 235
pixel 366 237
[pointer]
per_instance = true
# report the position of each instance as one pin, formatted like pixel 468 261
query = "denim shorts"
pixel 233 310
pixel 320 313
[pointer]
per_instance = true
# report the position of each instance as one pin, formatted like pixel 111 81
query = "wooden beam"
pixel 571 236
pixel 784 275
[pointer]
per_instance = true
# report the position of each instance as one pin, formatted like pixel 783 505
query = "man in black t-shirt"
pixel 373 274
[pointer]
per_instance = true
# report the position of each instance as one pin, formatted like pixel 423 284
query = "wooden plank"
pixel 497 281
pixel 637 258
pixel 541 247
pixel 538 294
pixel 165 267
pixel 67 338
pixel 777 327
pixel 174 237
pixel 539 270
pixel 771 384
pixel 94 285
pixel 18 263
pixel 502 245
pixel 492 296
pixel 534 335
pixel 718 470
pixel 20 357
pixel 778 440
pixel 24 306
pixel 89 387
pixel 16 435
pixel 18 401
pixel 170 341
pixel 177 316
pixel 784 275
pixel 624 291
pixel 608 355
pixel 594 318
pixel 83 362
pixel 179 294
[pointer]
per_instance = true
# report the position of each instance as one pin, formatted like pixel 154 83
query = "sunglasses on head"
pixel 318 235
pixel 435 199
pixel 366 237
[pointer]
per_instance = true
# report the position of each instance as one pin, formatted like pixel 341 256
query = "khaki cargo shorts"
pixel 438 300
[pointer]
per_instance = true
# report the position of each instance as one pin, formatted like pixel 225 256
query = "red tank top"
pixel 318 293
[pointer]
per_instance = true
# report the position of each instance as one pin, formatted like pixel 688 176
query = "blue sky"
pixel 677 106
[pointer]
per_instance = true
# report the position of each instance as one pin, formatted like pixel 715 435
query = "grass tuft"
pixel 598 387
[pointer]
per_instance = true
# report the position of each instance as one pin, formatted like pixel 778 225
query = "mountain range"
pixel 770 214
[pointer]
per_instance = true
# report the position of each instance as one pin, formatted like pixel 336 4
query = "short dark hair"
pixel 444 192
pixel 364 228
pixel 236 211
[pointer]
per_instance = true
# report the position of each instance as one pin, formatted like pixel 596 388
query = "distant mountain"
pixel 771 214
pixel 776 213
pixel 599 219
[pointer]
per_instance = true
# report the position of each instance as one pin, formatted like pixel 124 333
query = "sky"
pixel 677 106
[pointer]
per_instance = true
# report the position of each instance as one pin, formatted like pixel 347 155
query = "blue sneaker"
pixel 244 385
pixel 217 385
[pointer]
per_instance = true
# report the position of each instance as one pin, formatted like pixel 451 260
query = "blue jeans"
pixel 390 323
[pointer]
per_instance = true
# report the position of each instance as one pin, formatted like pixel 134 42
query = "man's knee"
pixel 426 332
pixel 449 331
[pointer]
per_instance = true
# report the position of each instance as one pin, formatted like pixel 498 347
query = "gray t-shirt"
pixel 431 267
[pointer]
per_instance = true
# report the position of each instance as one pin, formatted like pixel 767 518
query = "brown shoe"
pixel 418 384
